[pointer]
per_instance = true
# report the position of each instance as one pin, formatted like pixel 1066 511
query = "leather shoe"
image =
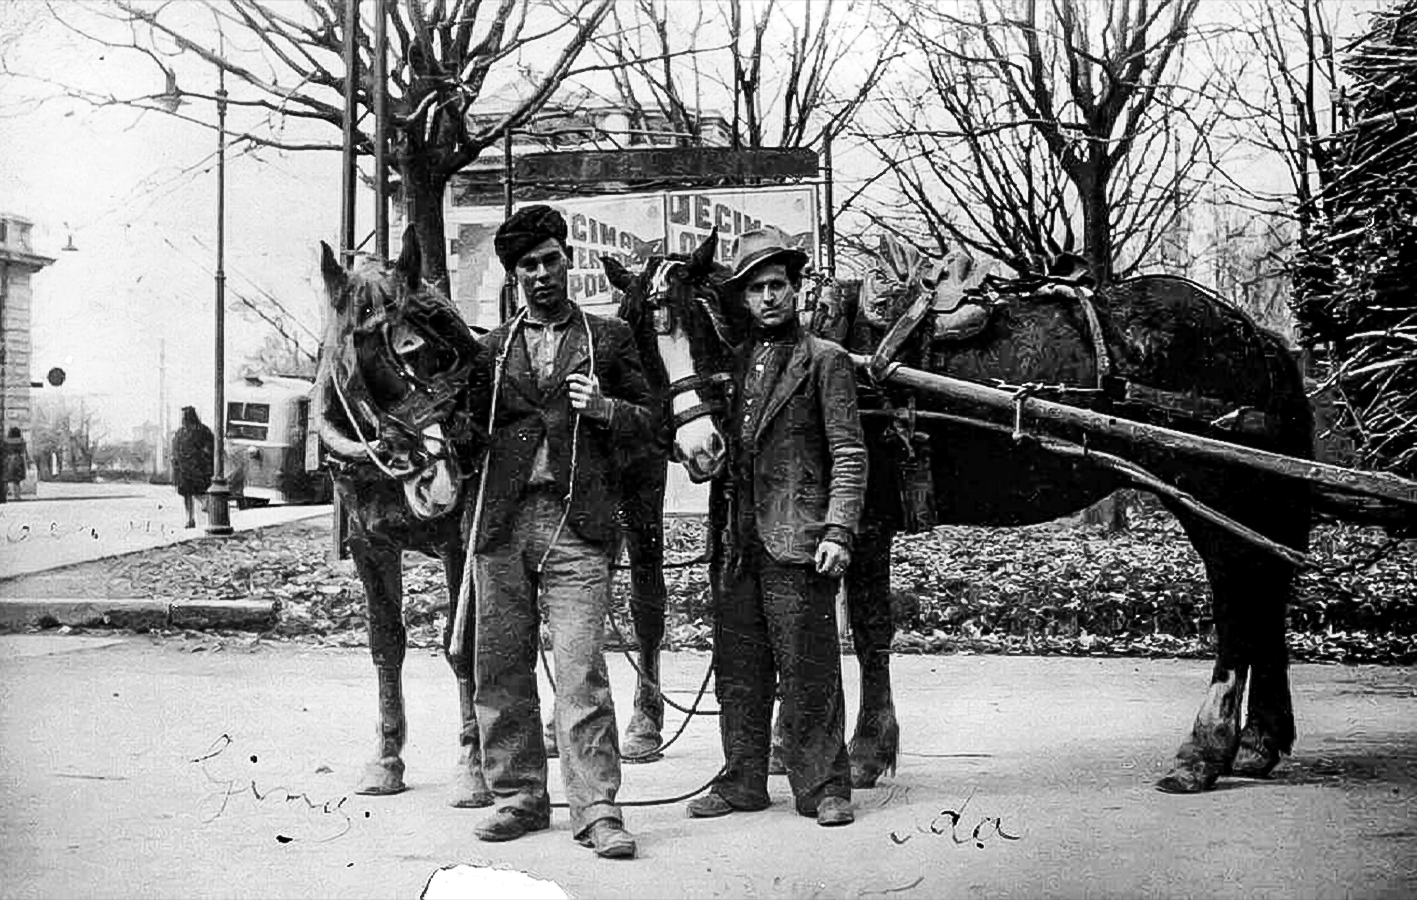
pixel 709 806
pixel 610 840
pixel 835 811
pixel 509 824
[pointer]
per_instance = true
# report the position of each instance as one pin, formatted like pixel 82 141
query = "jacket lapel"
pixel 792 375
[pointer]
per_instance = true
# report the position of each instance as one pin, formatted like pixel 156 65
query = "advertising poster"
pixel 631 228
pixel 628 228
pixel 691 215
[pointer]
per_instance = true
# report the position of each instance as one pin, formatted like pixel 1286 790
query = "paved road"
pixel 99 797
pixel 72 523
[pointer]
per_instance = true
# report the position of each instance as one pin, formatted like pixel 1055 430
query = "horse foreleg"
pixel 1209 752
pixel 381 571
pixel 1269 723
pixel 875 741
pixel 469 787
pixel 644 536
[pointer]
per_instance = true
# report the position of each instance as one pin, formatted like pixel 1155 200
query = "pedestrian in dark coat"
pixel 192 460
pixel 570 396
pixel 795 493
pixel 16 462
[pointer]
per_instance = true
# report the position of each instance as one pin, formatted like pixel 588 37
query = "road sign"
pixel 55 376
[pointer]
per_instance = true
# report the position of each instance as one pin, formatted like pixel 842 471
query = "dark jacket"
pixel 808 455
pixel 525 414
pixel 16 459
pixel 192 459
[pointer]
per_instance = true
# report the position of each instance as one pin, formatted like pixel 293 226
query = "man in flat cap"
pixel 796 487
pixel 569 390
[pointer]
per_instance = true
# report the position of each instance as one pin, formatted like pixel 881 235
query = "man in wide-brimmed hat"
pixel 570 393
pixel 796 489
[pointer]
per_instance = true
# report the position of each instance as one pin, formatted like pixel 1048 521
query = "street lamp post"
pixel 218 511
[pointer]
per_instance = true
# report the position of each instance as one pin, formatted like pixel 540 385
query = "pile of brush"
pixel 1356 282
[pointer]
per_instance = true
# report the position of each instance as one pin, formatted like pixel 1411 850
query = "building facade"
pixel 18 262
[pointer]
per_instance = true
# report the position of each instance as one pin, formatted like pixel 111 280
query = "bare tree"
pixel 793 72
pixel 285 73
pixel 281 354
pixel 72 434
pixel 1025 126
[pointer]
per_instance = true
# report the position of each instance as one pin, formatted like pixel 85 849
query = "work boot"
pixel 610 840
pixel 510 824
pixel 835 811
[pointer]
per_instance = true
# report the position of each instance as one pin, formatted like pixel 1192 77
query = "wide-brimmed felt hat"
pixel 770 243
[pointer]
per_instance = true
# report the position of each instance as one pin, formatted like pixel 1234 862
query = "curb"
pixel 244 615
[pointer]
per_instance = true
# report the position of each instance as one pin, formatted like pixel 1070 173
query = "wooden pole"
pixel 348 163
pixel 828 215
pixel 1046 415
pixel 381 131
pixel 339 532
pixel 508 306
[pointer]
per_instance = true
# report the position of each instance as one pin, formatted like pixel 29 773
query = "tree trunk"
pixel 425 213
pixel 1096 225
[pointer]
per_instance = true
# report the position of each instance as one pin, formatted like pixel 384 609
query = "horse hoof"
pixel 469 791
pixel 1189 778
pixel 382 777
pixel 642 740
pixel 642 748
pixel 865 777
pixel 1254 762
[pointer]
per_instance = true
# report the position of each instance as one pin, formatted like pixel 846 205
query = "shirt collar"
pixel 556 321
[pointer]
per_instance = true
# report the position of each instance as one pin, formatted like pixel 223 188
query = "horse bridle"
pixel 714 384
pixel 427 402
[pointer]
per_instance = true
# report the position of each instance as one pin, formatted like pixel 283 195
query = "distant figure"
pixel 16 460
pixel 192 449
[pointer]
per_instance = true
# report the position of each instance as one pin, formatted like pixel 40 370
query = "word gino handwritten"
pixel 977 836
pixel 332 811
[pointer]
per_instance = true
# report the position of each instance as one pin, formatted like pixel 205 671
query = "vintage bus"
pixel 266 419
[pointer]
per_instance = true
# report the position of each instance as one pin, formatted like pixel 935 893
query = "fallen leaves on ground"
pixel 1048 589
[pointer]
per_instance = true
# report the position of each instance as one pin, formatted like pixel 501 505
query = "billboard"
pixel 629 227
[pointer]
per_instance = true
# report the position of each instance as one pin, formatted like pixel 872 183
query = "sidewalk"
pixel 74 523
pixel 69 524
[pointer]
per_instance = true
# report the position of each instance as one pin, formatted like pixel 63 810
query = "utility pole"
pixel 218 512
pixel 160 446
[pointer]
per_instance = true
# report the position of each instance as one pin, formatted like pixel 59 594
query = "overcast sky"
pixel 138 195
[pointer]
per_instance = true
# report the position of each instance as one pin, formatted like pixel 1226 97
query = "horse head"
pixel 396 364
pixel 676 297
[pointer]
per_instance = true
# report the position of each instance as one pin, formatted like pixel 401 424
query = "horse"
pixel 643 486
pixel 1154 348
pixel 398 382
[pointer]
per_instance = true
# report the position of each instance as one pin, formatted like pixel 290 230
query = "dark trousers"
pixel 776 623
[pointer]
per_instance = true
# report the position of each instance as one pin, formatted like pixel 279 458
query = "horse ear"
pixel 410 264
pixel 701 260
pixel 620 277
pixel 334 275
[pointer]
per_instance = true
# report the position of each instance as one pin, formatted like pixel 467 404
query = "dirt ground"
pixel 1047 764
